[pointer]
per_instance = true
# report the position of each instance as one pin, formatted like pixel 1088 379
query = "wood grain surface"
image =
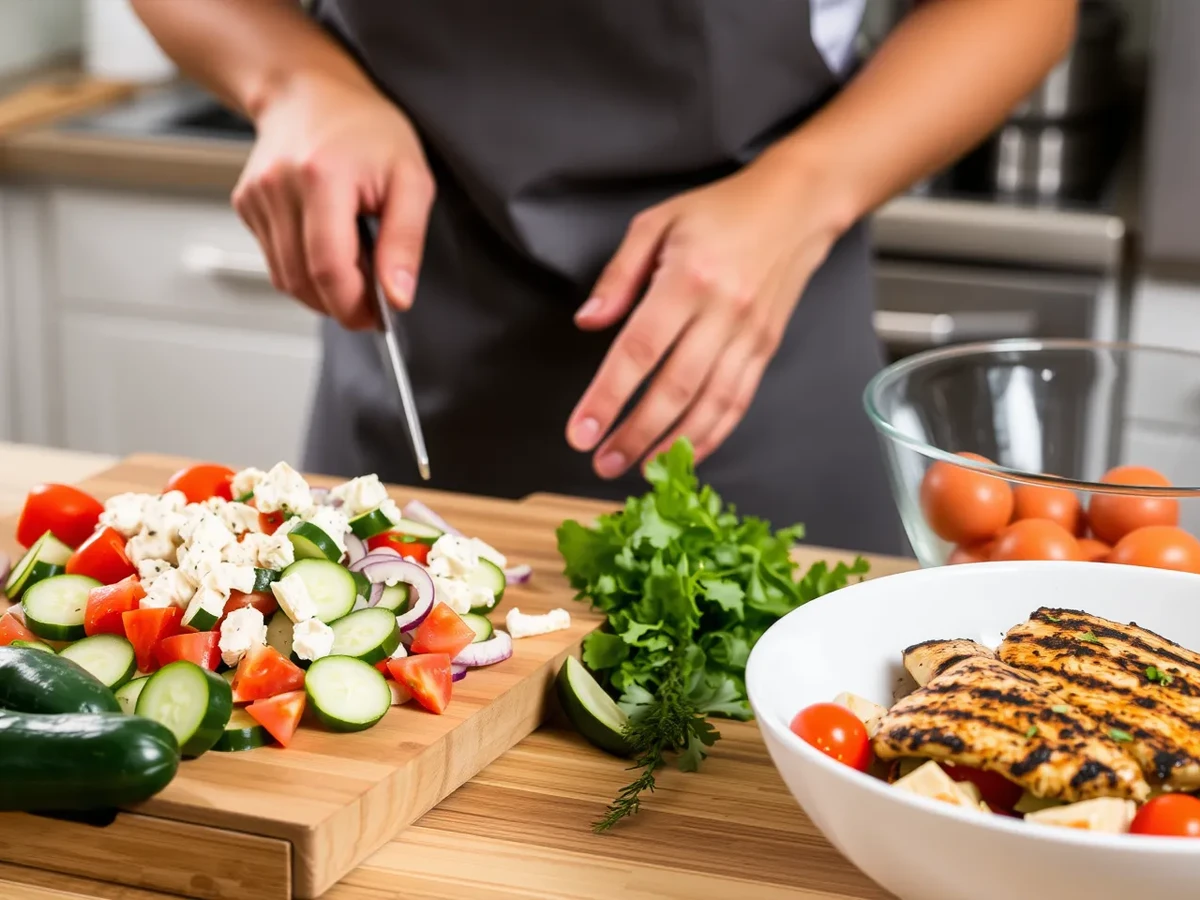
pixel 520 828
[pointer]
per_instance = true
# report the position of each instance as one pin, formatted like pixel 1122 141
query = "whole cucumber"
pixel 33 681
pixel 82 761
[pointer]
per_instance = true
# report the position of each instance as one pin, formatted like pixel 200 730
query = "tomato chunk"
pixel 200 647
pixel 264 672
pixel 836 732
pixel 106 605
pixel 443 631
pixel 11 630
pixel 201 482
pixel 146 629
pixel 427 677
pixel 263 601
pixel 402 544
pixel 270 522
pixel 102 556
pixel 67 512
pixel 280 714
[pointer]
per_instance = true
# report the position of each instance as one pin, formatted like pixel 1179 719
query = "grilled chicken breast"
pixel 1144 689
pixel 983 713
pixel 928 659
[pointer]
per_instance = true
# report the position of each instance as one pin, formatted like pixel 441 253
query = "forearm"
pixel 247 51
pixel 944 78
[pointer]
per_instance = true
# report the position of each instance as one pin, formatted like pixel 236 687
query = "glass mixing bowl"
pixel 1050 418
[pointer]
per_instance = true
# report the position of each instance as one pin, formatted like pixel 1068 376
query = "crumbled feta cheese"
pixel 239 518
pixel 205 598
pixel 165 514
pixel 520 625
pixel 294 600
pixel 452 556
pixel 225 577
pixel 462 596
pixel 271 551
pixel 240 553
pixel 148 544
pixel 389 508
pixel 242 629
pixel 124 513
pixel 197 560
pixel 283 488
pixel 245 482
pixel 149 569
pixel 207 530
pixel 333 522
pixel 360 495
pixel 287 525
pixel 486 551
pixel 312 639
pixel 170 588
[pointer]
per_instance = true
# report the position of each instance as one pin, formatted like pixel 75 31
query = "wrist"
pixel 812 178
pixel 276 85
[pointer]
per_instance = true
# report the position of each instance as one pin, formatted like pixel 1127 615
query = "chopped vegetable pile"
pixel 688 587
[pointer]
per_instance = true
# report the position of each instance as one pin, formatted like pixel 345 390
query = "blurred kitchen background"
pixel 136 312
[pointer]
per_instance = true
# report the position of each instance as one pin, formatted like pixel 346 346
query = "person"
pixel 648 223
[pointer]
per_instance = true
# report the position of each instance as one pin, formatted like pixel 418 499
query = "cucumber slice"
pixel 33 645
pixel 370 524
pixel 593 713
pixel 371 635
pixel 263 578
pixel 488 574
pixel 46 558
pixel 109 657
pixel 279 633
pixel 55 607
pixel 331 587
pixel 480 625
pixel 425 534
pixel 310 542
pixel 192 702
pixel 201 617
pixel 241 732
pixel 361 584
pixel 347 694
pixel 394 598
pixel 128 693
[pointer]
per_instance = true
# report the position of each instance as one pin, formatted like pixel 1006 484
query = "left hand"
pixel 723 268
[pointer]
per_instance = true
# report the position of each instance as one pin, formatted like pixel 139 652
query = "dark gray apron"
pixel 548 124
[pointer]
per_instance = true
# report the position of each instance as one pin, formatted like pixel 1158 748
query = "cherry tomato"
pixel 102 556
pixel 1036 539
pixel 836 732
pixel 1033 501
pixel 1000 794
pixel 200 482
pixel 1159 547
pixel 1112 516
pixel 1169 815
pixel 1094 550
pixel 964 506
pixel 263 601
pixel 269 522
pixel 972 553
pixel 67 512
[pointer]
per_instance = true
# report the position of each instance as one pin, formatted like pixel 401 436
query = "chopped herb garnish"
pixel 1153 673
pixel 1089 637
pixel 1032 732
pixel 1053 619
pixel 1060 708
pixel 1118 735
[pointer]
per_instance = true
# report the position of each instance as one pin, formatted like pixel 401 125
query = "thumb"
pixel 402 226
pixel 622 280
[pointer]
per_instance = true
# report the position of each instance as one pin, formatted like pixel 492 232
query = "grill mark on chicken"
pixel 1105 669
pixel 980 712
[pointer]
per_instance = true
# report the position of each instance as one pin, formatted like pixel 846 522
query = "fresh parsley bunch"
pixel 688 587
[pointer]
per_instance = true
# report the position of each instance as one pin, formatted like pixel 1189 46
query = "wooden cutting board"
pixel 273 823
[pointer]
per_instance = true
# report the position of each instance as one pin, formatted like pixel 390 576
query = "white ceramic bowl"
pixel 922 849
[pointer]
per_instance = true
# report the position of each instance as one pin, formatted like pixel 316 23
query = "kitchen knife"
pixel 368 231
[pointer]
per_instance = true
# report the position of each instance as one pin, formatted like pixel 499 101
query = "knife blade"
pixel 393 358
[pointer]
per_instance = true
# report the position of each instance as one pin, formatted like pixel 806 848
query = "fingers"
pixel 651 331
pixel 330 249
pixel 402 232
pixel 627 272
pixel 268 214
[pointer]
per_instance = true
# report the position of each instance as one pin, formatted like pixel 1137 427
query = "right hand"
pixel 326 152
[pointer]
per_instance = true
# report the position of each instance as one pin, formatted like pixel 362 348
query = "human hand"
pixel 723 267
pixel 327 151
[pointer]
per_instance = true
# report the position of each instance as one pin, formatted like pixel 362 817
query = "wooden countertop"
pixel 521 827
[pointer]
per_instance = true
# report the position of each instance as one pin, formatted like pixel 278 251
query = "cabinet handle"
pixel 937 329
pixel 214 262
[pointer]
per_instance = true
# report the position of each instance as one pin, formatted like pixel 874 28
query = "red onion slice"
pixel 401 651
pixel 396 570
pixel 17 611
pixel 486 653
pixel 382 554
pixel 406 639
pixel 355 548
pixel 419 512
pixel 518 574
pixel 376 594
pixel 457 671
pixel 5 569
